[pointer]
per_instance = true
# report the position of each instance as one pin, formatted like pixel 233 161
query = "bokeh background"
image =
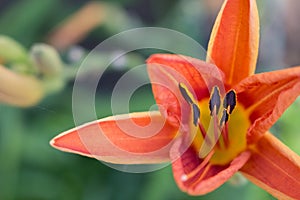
pixel 31 170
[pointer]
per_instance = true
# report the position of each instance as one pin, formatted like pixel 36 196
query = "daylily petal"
pixel 20 90
pixel 266 96
pixel 207 179
pixel 275 168
pixel 136 138
pixel 233 45
pixel 166 71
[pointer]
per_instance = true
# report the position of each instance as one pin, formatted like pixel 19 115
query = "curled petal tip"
pixel 70 141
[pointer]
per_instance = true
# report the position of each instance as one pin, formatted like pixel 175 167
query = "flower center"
pixel 218 126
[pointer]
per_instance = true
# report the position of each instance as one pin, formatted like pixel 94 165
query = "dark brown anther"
pixel 215 101
pixel 196 114
pixel 229 102
pixel 225 117
pixel 185 94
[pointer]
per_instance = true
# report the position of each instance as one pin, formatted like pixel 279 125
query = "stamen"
pixel 214 106
pixel 216 129
pixel 206 140
pixel 224 118
pixel 196 114
pixel 229 102
pixel 190 100
pixel 225 135
pixel 202 130
pixel 205 171
pixel 194 172
pixel 185 94
pixel 224 127
pixel 215 101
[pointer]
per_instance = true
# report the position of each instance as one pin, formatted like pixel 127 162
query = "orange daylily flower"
pixel 214 116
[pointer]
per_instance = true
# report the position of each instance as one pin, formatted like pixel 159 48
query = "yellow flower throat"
pixel 218 127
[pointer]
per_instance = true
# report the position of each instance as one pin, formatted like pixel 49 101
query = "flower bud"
pixel 11 51
pixel 46 59
pixel 19 89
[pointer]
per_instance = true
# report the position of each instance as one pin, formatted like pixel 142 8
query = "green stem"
pixel 11 128
pixel 96 62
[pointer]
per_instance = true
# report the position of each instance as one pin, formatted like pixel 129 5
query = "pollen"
pixel 196 114
pixel 215 101
pixel 220 131
pixel 233 123
pixel 234 131
pixel 229 102
pixel 185 93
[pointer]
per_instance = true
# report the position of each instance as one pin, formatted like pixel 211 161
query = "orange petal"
pixel 233 45
pixel 266 96
pixel 166 71
pixel 137 138
pixel 206 180
pixel 275 168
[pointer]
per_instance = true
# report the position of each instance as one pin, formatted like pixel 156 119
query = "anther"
pixel 196 114
pixel 185 94
pixel 229 102
pixel 224 118
pixel 215 101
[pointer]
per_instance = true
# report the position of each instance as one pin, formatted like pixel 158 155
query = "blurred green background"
pixel 31 169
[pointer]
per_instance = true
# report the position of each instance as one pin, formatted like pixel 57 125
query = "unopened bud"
pixel 46 59
pixel 19 89
pixel 11 51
